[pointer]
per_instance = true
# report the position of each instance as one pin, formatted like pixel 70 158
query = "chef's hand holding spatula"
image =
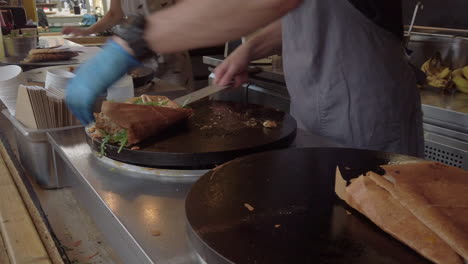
pixel 235 68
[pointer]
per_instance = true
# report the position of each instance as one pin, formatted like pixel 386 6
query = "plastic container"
pixel 19 46
pixel 29 31
pixel 36 154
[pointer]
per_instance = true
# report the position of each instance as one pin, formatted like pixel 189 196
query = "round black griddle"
pixel 141 76
pixel 217 132
pixel 292 188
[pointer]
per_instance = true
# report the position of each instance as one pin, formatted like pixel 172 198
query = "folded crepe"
pixel 137 119
pixel 42 55
pixel 424 205
pixel 437 194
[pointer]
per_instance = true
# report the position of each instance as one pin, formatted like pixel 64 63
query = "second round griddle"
pixel 217 132
pixel 296 216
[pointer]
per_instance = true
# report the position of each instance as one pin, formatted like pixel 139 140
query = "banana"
pixel 425 67
pixel 445 73
pixel 437 75
pixel 465 72
pixel 433 65
pixel 456 72
pixel 437 82
pixel 460 80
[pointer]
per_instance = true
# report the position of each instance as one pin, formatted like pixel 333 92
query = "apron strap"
pixel 386 14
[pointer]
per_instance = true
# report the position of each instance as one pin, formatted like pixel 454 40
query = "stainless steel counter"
pixel 129 207
pixel 457 102
pixel 445 110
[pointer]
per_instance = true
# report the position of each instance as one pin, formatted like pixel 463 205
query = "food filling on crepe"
pixel 135 120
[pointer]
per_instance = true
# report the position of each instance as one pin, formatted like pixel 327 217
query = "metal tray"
pixel 293 188
pixel 454 50
pixel 194 145
pixel 36 154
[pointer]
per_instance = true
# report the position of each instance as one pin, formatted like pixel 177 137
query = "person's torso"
pixel 345 74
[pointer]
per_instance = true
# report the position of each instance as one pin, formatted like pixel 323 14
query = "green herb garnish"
pixel 121 138
pixel 160 103
pixel 139 101
pixel 103 132
pixel 104 141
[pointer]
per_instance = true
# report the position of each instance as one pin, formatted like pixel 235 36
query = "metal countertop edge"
pixel 121 240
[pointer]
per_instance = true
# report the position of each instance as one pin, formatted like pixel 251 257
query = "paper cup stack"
pixel 58 79
pixel 10 78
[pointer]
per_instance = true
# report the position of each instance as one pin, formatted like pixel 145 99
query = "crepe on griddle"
pixel 137 119
pixel 437 194
pixel 46 55
pixel 424 205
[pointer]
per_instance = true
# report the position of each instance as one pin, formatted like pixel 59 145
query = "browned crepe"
pixel 140 121
pixel 436 194
pixel 42 55
pixel 378 205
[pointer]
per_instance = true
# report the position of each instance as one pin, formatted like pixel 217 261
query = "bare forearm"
pixel 107 22
pixel 200 23
pixel 266 42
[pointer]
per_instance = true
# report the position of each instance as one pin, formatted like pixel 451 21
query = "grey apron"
pixel 349 79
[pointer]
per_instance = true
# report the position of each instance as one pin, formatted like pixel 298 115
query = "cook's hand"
pixel 95 76
pixel 234 67
pixel 75 31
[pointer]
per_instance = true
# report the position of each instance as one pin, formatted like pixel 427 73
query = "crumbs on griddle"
pixel 229 120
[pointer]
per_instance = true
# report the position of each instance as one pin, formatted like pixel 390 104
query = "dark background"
pixel 438 13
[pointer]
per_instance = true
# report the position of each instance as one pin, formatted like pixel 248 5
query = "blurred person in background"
pixel 174 68
pixel 42 19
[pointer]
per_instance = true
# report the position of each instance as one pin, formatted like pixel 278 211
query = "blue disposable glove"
pixel 94 77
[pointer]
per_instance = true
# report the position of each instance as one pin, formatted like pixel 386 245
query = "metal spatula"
pixel 209 90
pixel 199 94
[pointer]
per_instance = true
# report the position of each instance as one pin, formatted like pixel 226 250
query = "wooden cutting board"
pixel 24 235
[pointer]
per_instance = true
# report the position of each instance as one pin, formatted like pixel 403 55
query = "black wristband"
pixel 132 32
